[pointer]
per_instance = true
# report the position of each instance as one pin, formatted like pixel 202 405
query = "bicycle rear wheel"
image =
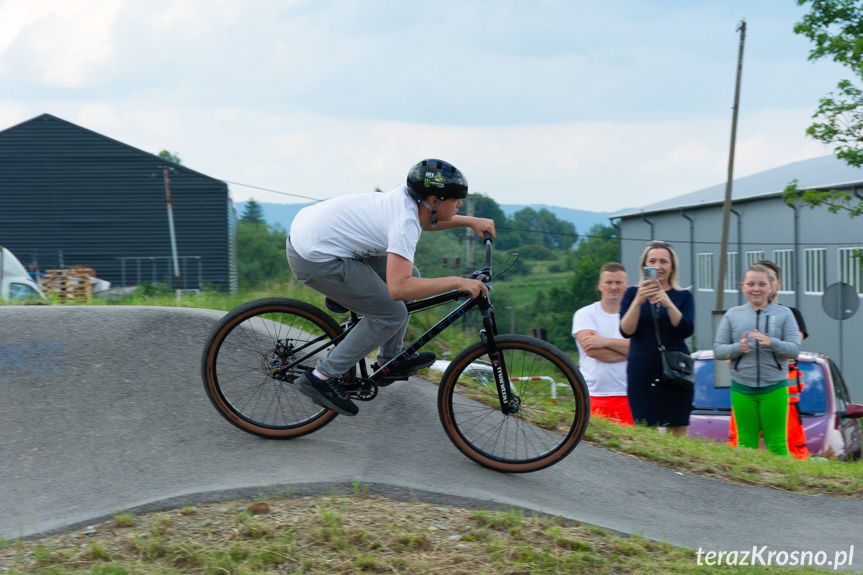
pixel 239 358
pixel 554 405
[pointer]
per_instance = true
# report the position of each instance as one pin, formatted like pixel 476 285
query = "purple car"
pixel 830 420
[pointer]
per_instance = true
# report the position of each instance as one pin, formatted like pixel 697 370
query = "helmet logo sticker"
pixel 435 180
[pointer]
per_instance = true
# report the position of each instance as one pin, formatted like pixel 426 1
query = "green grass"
pixel 521 290
pixel 737 465
pixel 359 533
pixel 124 519
pixel 209 299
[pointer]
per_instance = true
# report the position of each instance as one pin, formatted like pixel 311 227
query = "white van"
pixel 15 282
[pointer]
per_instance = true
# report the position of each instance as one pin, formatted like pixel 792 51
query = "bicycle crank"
pixel 361 389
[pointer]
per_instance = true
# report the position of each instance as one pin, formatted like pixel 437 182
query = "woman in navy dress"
pixel 652 401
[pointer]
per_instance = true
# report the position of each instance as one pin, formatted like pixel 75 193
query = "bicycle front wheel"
pixel 244 350
pixel 553 405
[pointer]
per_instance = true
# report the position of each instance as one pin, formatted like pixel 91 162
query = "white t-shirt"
pixel 359 226
pixel 603 379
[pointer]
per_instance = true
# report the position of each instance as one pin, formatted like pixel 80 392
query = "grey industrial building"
pixel 814 248
pixel 71 196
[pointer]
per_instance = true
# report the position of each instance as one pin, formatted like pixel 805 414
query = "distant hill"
pixel 583 220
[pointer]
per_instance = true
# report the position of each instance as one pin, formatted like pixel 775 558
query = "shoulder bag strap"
pixel 655 313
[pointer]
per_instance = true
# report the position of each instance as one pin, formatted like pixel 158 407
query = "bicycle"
pixel 510 403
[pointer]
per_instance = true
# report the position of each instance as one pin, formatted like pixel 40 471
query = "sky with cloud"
pixel 591 105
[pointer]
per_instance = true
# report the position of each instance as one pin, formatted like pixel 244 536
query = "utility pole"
pixel 726 210
pixel 470 236
pixel 171 227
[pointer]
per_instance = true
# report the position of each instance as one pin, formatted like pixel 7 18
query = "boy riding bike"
pixel 358 251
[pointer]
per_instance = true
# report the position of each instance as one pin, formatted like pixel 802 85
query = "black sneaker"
pixel 410 365
pixel 327 393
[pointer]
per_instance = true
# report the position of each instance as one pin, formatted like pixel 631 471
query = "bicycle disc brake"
pixel 274 360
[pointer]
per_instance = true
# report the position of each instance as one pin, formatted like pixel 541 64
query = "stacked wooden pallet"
pixel 70 285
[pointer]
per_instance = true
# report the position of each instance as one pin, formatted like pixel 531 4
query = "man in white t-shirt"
pixel 602 351
pixel 359 251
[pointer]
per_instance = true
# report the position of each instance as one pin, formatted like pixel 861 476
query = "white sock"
pixel 320 375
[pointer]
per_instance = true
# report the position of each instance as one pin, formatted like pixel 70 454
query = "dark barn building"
pixel 70 196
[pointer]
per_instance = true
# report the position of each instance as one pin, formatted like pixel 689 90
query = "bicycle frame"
pixel 508 400
pixel 255 354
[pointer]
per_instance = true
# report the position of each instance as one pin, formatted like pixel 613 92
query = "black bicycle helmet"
pixel 438 178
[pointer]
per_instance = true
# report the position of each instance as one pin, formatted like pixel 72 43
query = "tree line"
pixel 537 236
pixel 261 244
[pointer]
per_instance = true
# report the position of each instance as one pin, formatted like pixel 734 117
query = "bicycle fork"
pixel 509 401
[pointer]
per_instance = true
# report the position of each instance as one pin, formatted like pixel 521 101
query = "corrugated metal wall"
pixel 764 225
pixel 71 196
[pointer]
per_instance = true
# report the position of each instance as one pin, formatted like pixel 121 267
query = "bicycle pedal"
pixel 387 380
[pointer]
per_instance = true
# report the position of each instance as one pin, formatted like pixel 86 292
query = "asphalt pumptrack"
pixel 104 411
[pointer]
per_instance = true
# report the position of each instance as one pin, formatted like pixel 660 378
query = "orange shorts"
pixel 613 407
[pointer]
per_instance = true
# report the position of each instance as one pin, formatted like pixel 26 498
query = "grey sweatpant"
pixel 361 287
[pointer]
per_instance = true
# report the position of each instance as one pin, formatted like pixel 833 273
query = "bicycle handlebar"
pixel 484 275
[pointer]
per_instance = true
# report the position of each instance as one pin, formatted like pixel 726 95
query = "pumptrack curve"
pixel 103 410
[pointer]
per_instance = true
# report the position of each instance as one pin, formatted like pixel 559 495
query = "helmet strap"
pixel 433 213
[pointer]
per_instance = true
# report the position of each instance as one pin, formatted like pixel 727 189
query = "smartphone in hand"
pixel 650 273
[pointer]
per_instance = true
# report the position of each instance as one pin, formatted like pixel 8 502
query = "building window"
pixel 732 272
pixel 752 257
pixel 851 267
pixel 705 272
pixel 785 260
pixel 816 271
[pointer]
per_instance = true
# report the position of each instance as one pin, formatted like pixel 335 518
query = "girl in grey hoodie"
pixel 759 338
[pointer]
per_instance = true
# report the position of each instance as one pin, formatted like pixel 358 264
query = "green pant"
pixel 762 413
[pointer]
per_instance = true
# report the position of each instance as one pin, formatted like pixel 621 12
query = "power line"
pixel 273 191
